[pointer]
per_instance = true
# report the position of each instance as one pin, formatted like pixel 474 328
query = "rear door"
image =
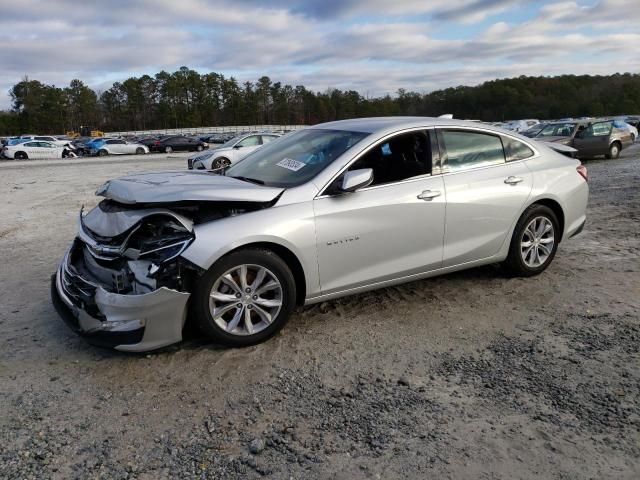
pixel 485 192
pixel 391 229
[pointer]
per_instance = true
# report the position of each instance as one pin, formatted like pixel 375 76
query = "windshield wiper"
pixel 250 180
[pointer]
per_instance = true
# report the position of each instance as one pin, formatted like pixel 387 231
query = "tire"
pixel 237 304
pixel 521 261
pixel 139 151
pixel 20 156
pixel 168 149
pixel 220 163
pixel 199 148
pixel 614 151
pixel 102 153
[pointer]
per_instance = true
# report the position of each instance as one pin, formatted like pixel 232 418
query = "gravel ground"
pixel 470 375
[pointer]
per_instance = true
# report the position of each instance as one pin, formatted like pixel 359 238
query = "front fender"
pixel 290 226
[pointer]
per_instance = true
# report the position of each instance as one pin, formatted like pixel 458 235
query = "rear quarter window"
pixel 515 149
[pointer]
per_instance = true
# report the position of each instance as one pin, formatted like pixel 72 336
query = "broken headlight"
pixel 158 240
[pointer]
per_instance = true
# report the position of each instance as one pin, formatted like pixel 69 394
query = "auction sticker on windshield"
pixel 291 164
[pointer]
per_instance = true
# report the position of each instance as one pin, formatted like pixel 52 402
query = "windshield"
pixel 557 130
pixel 295 159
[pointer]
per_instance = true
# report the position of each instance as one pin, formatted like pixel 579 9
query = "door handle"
pixel 429 195
pixel 513 180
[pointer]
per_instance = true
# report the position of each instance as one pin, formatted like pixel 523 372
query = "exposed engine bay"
pixel 133 250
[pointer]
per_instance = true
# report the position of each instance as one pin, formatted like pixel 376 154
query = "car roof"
pixel 382 125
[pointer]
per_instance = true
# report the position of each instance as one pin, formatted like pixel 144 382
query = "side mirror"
pixel 236 147
pixel 356 179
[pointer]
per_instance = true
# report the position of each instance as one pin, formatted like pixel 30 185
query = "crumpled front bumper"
pixel 132 323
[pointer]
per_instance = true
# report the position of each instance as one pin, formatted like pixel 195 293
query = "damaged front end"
pixel 122 283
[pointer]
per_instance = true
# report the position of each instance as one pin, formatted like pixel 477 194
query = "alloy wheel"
pixel 537 242
pixel 245 299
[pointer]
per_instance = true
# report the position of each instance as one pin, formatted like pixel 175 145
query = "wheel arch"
pixel 288 257
pixel 556 208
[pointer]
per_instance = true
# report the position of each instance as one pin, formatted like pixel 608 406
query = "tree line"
pixel 186 98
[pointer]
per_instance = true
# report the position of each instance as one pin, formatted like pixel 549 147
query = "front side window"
pixel 515 150
pixel 32 144
pixel 398 158
pixel 295 159
pixel 251 141
pixel 467 149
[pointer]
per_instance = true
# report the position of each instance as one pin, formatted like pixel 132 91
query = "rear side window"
pixel 467 149
pixel 515 150
pixel 600 129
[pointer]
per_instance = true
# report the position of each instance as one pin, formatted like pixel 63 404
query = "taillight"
pixel 582 170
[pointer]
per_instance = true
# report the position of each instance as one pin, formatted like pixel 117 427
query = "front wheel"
pixel 20 156
pixel 102 153
pixel 168 149
pixel 220 163
pixel 199 148
pixel 139 151
pixel 534 242
pixel 244 298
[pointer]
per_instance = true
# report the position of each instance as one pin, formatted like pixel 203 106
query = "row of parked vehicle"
pixel 44 146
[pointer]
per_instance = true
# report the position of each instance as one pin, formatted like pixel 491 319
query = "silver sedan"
pixel 327 211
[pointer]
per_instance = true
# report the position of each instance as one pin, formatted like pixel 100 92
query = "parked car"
pixel 47 138
pixel 561 132
pixel 327 211
pixel 178 143
pixel 531 132
pixel 232 151
pixel 520 125
pixel 35 150
pixel 115 146
pixel 605 137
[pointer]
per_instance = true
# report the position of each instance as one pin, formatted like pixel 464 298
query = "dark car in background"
pixel 605 137
pixel 177 143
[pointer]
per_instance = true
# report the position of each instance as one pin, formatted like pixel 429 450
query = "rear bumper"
pixel 132 323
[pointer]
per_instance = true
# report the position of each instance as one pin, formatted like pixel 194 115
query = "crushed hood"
pixel 181 185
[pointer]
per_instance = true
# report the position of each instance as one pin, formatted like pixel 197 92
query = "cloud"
pixel 373 46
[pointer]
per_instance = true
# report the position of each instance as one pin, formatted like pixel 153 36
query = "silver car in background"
pixel 327 211
pixel 230 152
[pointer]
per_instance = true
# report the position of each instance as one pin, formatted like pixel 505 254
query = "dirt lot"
pixel 471 375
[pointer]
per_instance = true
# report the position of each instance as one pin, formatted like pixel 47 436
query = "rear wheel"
pixel 534 242
pixel 614 151
pixel 244 298
pixel 168 149
pixel 20 156
pixel 139 151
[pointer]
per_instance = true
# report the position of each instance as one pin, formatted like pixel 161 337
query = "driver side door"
pixel 391 229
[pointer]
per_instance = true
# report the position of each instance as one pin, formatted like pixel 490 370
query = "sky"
pixel 372 46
